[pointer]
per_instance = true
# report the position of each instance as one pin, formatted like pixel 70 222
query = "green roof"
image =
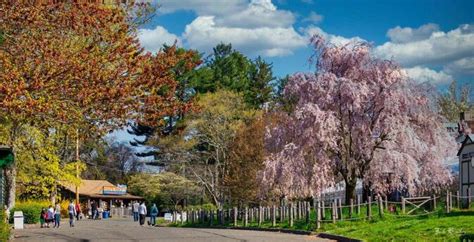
pixel 6 156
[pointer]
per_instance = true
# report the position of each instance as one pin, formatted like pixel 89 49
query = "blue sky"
pixel 432 40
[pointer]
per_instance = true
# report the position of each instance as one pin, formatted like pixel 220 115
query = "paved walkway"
pixel 126 230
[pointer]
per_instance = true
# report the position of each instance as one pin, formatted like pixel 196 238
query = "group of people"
pixel 53 215
pixel 140 212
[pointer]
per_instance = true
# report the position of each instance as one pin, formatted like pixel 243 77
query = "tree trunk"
pixel 350 190
pixel 53 195
pixel 10 180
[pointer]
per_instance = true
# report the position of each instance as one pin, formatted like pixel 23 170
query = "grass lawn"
pixel 436 227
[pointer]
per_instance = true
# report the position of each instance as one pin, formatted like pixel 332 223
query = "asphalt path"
pixel 126 230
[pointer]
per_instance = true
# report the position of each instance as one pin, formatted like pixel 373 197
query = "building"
pixel 103 193
pixel 466 166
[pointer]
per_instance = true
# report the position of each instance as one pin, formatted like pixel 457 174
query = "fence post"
pixel 447 202
pixel 334 212
pixel 234 215
pixel 369 207
pixel 291 214
pixel 358 204
pixel 468 197
pixel 246 216
pixel 340 215
pixel 403 205
pixel 434 202
pixel 386 202
pixel 274 216
pixel 323 210
pixel 450 201
pixel 351 210
pixel 260 216
pixel 457 199
pixel 211 218
pixel 380 207
pixel 318 215
pixel 308 212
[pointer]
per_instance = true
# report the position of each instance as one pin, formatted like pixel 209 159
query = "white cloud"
pixel 203 34
pixel 423 74
pixel 439 48
pixel 259 13
pixel 314 18
pixel 153 39
pixel 405 35
pixel 462 66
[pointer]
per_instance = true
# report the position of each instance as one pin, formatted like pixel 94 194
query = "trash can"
pixel 105 214
pixel 18 220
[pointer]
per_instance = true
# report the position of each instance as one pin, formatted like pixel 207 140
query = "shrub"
pixel 31 210
pixel 4 227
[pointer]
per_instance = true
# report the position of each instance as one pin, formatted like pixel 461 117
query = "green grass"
pixel 4 227
pixel 436 226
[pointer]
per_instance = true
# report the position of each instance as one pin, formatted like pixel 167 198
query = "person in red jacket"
pixel 78 211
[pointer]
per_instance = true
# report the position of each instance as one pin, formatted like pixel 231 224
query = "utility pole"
pixel 77 165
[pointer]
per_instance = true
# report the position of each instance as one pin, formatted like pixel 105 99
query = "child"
pixel 43 217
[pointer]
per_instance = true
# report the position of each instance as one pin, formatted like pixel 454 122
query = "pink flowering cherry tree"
pixel 357 118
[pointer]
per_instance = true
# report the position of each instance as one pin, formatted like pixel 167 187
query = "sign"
pixel 114 190
pixel 168 217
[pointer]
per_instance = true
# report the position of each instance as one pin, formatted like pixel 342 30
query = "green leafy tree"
pixel 454 102
pixel 259 90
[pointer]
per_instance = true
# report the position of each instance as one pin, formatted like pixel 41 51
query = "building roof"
pixel 94 188
pixel 469 139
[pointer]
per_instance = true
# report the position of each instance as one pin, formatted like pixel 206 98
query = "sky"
pixel 432 40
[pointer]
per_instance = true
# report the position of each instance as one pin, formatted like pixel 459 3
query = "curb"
pixel 287 231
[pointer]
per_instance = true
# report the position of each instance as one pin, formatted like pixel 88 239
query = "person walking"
pixel 94 210
pixel 78 211
pixel 43 217
pixel 142 213
pixel 57 216
pixel 72 212
pixel 50 218
pixel 153 215
pixel 135 208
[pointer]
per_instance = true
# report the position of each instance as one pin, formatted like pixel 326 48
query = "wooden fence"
pixel 320 212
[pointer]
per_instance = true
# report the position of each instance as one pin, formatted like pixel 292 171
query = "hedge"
pixel 31 210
